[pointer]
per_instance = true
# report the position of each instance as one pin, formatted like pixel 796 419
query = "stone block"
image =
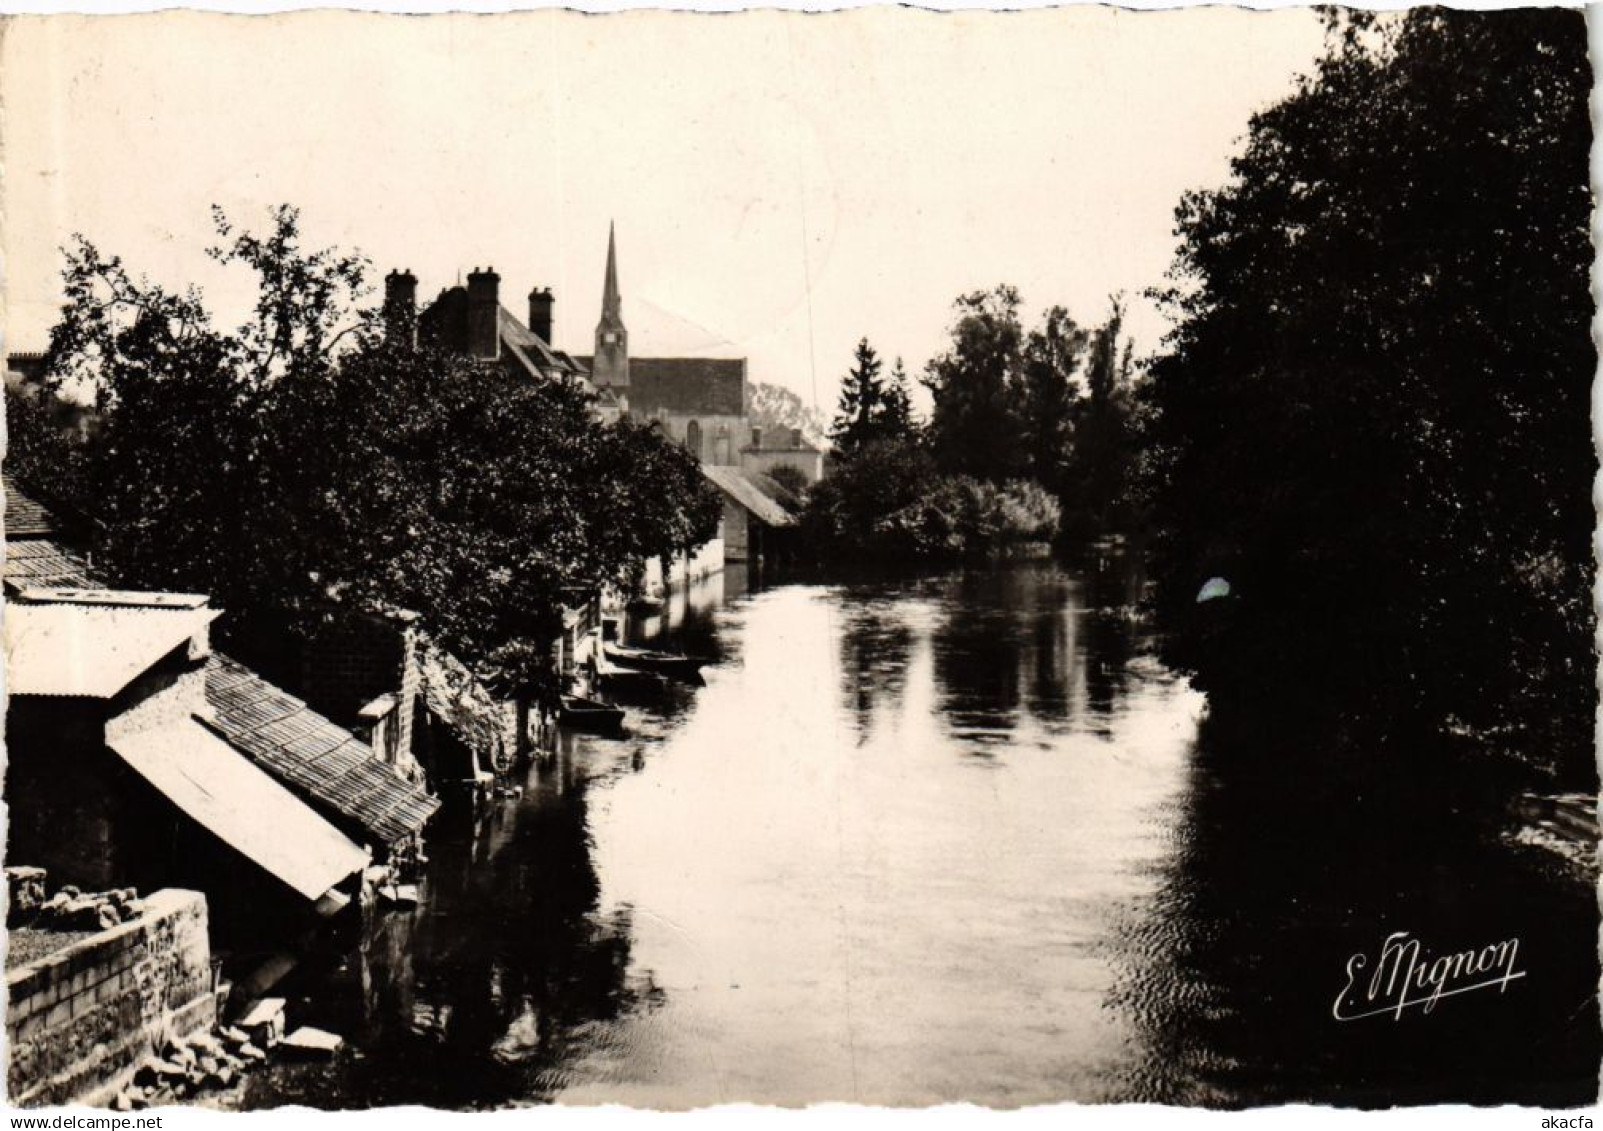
pixel 263 1021
pixel 25 892
pixel 311 1043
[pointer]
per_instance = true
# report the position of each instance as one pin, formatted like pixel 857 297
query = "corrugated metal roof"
pixel 25 518
pixel 312 755
pixel 91 651
pixel 222 790
pixel 751 492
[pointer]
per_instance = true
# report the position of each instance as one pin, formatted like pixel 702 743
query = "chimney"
pixel 484 305
pixel 540 304
pixel 796 438
pixel 756 437
pixel 400 307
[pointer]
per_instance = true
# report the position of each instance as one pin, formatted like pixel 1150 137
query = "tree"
pixel 46 446
pixel 777 409
pixel 304 464
pixel 1049 388
pixel 897 421
pixel 847 508
pixel 860 419
pixel 974 429
pixel 1100 465
pixel 1372 415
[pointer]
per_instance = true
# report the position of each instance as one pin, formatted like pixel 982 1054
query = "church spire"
pixel 609 368
pixel 611 300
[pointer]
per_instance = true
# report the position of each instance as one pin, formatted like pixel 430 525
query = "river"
pixel 953 838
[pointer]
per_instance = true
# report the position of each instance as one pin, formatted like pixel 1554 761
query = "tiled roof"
pixel 685 386
pixel 460 700
pixel 274 729
pixel 25 518
pixel 757 493
pixel 312 755
pixel 44 563
pixel 530 348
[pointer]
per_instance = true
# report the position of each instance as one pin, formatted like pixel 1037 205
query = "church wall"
pixel 722 451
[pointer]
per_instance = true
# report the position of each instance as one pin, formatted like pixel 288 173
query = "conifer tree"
pixel 862 402
pixel 896 422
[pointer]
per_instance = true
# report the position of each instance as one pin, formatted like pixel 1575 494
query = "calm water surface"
pixel 959 838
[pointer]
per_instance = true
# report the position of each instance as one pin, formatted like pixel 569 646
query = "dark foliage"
pixel 1373 416
pixel 872 408
pixel 302 464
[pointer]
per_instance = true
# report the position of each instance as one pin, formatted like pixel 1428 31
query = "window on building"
pixel 693 438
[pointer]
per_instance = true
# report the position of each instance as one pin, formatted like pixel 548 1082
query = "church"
pixel 700 402
pixel 703 403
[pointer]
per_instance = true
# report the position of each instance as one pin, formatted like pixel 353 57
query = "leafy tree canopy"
pixel 302 463
pixel 1372 416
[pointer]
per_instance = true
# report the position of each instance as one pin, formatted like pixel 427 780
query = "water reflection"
pixel 876 644
pixel 951 838
pixel 480 996
pixel 1284 867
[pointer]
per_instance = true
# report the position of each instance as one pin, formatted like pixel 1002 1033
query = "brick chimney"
pixel 541 303
pixel 756 437
pixel 484 304
pixel 400 307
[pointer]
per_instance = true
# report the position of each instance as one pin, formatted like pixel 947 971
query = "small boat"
pixel 629 679
pixel 588 714
pixel 675 664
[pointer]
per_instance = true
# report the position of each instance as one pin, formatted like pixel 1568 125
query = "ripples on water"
pixel 944 839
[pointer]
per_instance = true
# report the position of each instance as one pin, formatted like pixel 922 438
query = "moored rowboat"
pixel 588 714
pixel 674 664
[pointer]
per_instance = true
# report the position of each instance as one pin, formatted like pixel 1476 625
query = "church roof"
pixel 685 386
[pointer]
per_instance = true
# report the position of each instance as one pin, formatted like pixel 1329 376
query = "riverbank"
pixel 953 837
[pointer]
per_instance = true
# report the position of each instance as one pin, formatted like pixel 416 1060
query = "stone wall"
pixel 721 437
pixel 79 1021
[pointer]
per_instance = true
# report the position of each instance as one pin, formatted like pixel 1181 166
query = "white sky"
pixel 782 183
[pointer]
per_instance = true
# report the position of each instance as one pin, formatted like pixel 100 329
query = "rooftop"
pixel 327 763
pixel 531 349
pixel 685 386
pixel 782 440
pixel 25 518
pixel 209 781
pixel 41 563
pixel 757 493
pixel 91 649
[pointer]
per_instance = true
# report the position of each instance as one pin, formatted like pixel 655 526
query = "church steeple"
pixel 610 366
